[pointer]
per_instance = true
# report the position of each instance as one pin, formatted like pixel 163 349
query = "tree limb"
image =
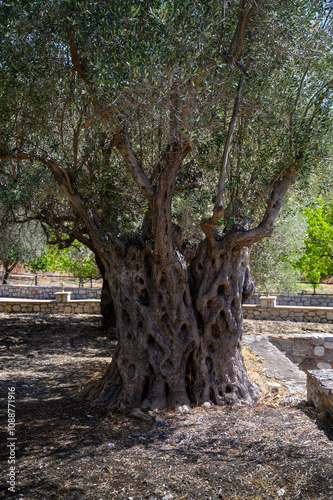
pixel 226 151
pixel 122 143
pixel 266 226
pixel 62 179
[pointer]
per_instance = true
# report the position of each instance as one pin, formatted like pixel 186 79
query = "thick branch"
pixel 266 226
pixel 226 151
pixel 245 12
pixel 122 143
pixel 78 64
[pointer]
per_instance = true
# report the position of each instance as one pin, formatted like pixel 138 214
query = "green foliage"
pixel 76 259
pixel 317 261
pixel 133 51
pixel 19 243
pixel 273 260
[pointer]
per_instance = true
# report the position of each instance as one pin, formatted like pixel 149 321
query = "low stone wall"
pixel 318 300
pixel 309 352
pixel 50 306
pixel 320 390
pixel 270 311
pixel 47 292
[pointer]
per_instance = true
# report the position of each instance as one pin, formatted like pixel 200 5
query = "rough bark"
pixel 222 281
pixel 157 330
pixel 107 307
pixel 179 327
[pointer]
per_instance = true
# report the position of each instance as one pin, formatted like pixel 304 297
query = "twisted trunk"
pixel 222 282
pixel 156 328
pixel 179 327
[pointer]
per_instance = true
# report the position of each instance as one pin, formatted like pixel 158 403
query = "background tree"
pixel 273 260
pixel 19 243
pixel 131 107
pixel 317 261
pixel 75 259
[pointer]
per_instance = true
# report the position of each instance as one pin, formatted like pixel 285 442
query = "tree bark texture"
pixel 106 305
pixel 179 326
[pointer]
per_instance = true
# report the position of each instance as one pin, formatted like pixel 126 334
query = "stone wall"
pixel 320 390
pixel 47 292
pixel 318 300
pixel 309 352
pixel 269 310
pixel 49 306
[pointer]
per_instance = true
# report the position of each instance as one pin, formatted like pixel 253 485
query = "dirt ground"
pixel 66 449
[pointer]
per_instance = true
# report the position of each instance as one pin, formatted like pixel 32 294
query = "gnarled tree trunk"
pixel 222 281
pixel 157 330
pixel 179 327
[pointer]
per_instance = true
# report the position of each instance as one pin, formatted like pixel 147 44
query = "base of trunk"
pixel 177 345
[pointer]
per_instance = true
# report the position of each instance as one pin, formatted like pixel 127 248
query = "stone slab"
pixel 275 363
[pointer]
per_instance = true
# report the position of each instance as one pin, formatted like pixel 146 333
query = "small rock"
pixel 138 413
pixel 281 492
pixel 167 497
pixel 274 389
pixel 207 405
pixel 153 413
pixel 111 445
pixel 184 409
pixel 160 420
pixel 290 400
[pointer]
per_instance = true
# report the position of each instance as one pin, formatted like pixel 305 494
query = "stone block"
pixel 268 302
pixel 329 315
pixel 284 343
pixel 301 348
pixel 308 364
pixel 320 389
pixel 284 313
pixel 319 351
pixel 324 366
pixel 328 345
pixel 328 356
pixel 318 341
pixel 62 296
pixel 16 308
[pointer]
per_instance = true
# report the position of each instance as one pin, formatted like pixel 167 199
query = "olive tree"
pixel 134 107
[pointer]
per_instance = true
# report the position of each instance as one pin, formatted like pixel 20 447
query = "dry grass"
pixel 271 390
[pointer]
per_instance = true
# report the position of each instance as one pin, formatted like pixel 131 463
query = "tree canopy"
pixel 163 122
